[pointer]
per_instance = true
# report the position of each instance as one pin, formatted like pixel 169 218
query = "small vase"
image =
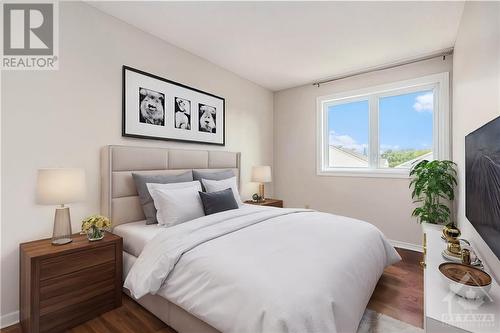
pixel 95 234
pixel 450 231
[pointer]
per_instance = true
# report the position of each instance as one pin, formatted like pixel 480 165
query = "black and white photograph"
pixel 151 107
pixel 160 109
pixel 208 116
pixel 182 116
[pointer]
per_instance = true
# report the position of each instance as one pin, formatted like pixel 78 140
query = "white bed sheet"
pixel 136 235
pixel 310 273
pixel 128 261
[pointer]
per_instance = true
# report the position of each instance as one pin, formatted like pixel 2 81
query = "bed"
pixel 253 269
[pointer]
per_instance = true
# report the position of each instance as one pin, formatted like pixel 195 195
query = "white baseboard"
pixel 9 319
pixel 406 246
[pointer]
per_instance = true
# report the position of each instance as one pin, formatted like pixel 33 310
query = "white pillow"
pixel 176 203
pixel 219 185
pixel 169 186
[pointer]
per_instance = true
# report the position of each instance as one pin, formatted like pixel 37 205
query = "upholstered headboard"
pixel 119 199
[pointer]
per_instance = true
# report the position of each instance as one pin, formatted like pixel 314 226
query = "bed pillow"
pixel 220 201
pixel 145 198
pixel 218 185
pixel 176 205
pixel 171 186
pixel 217 175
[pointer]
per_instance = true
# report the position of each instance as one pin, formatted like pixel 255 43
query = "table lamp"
pixel 261 174
pixel 59 187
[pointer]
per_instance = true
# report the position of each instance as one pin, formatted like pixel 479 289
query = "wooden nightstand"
pixel 267 202
pixel 63 286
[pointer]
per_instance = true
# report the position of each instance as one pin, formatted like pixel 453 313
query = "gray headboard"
pixel 119 200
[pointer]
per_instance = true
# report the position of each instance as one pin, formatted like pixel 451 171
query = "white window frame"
pixel 439 83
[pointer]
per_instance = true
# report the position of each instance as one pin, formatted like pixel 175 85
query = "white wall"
pixel 385 202
pixel 476 95
pixel 62 118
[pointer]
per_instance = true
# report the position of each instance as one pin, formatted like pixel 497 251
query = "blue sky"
pixel 405 122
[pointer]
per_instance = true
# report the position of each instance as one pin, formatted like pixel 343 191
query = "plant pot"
pixel 95 234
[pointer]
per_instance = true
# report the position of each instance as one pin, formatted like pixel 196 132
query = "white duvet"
pixel 260 269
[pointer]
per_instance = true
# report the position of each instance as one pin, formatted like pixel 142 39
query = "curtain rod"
pixel 442 53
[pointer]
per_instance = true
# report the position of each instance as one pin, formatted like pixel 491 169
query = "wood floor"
pixel 400 291
pixel 129 318
pixel 399 294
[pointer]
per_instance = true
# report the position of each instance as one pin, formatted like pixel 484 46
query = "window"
pixel 383 130
pixel 348 134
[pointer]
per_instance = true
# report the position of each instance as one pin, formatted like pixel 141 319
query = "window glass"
pixel 348 133
pixel 405 129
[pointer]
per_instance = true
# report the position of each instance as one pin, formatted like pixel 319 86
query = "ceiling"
pixel 279 45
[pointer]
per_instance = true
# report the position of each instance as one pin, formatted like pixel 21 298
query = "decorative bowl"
pixel 466 281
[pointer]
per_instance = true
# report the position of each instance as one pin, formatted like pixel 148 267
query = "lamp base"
pixel 61 233
pixel 261 192
pixel 61 241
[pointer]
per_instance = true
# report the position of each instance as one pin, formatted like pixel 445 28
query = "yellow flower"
pixel 86 226
pixel 99 221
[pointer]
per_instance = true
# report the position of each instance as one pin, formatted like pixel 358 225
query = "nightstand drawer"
pixel 73 262
pixel 76 296
pixel 59 321
pixel 63 285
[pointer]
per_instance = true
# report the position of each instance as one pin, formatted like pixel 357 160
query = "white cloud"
pixel 424 102
pixel 346 141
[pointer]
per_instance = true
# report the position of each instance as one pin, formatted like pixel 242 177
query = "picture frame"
pixel 161 109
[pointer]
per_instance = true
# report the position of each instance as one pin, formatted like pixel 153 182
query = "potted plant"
pixel 94 226
pixel 433 187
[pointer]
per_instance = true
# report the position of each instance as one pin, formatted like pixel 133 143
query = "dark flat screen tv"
pixel 482 182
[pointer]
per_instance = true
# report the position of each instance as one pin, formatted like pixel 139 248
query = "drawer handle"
pixel 422 263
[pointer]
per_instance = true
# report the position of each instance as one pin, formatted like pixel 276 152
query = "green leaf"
pixel 431 182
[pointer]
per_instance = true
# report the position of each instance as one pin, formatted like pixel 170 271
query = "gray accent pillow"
pixel 217 175
pixel 220 201
pixel 145 198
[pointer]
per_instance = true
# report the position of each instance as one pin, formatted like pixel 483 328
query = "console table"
pixel 445 312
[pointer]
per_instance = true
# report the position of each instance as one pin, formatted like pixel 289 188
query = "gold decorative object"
pixel 454 247
pixel 451 234
pixel 466 257
pixel 451 231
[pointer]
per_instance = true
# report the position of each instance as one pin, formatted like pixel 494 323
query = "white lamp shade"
pixel 261 174
pixel 60 186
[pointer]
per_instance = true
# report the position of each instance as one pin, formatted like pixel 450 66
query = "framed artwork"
pixel 161 109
